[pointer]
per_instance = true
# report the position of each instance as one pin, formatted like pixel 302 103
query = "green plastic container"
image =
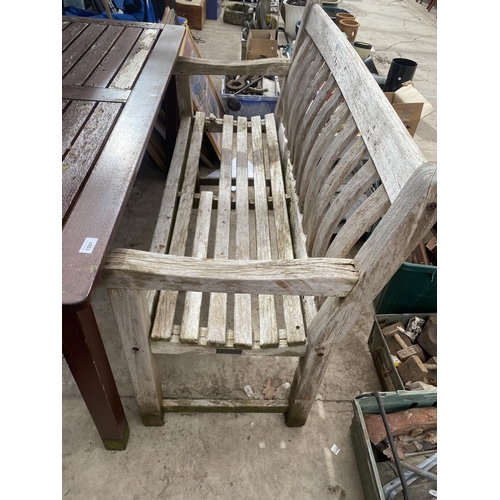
pixel 412 289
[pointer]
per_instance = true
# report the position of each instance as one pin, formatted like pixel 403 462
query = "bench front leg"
pixel 132 316
pixel 311 368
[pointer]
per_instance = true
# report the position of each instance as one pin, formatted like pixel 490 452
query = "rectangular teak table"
pixel 114 78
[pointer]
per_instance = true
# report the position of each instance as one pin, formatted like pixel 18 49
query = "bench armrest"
pixel 135 269
pixel 197 66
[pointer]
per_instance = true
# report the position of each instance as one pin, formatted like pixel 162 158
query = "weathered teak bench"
pixel 285 261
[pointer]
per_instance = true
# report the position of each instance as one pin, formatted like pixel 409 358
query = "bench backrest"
pixel 332 107
pixel 354 164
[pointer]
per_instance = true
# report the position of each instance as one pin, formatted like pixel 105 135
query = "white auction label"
pixel 88 245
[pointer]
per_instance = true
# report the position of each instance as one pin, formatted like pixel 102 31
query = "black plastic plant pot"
pixel 401 71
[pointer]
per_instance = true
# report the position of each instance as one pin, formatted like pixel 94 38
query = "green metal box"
pixel 379 350
pixel 363 448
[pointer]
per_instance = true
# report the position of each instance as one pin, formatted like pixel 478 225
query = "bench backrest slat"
pixel 335 121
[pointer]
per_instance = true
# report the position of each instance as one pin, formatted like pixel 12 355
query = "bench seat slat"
pixel 192 306
pixel 242 302
pixel 218 301
pixel 167 302
pixel 268 326
pixel 291 304
pixel 168 208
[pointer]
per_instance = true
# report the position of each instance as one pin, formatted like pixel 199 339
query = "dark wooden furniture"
pixel 114 78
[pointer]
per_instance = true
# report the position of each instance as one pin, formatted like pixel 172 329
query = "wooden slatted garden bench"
pixel 316 207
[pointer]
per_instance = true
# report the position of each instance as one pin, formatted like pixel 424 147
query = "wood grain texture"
pixel 367 214
pixel 81 157
pixel 143 270
pixel 218 301
pixel 326 164
pixel 304 97
pixel 171 347
pixel 295 217
pixel 164 322
pixel 332 183
pixel 350 193
pixel 94 94
pixel 324 106
pixel 113 59
pixel 291 304
pixel 74 116
pixel 74 51
pixel 93 56
pixel 320 145
pixel 191 66
pixel 127 74
pixel 134 323
pixel 225 405
pixel 162 235
pixel 268 327
pixel 192 305
pixel 313 100
pixel 392 149
pixel 242 302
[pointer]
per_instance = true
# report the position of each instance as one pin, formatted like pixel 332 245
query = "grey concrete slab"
pixel 209 456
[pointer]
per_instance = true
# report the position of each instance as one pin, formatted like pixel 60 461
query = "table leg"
pixel 84 352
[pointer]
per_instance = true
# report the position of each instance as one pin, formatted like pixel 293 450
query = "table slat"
pixel 87 64
pixel 84 152
pixel 79 47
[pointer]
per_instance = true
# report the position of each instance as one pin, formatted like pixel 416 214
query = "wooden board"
pixel 205 97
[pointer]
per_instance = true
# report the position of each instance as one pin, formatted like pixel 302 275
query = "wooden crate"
pixel 195 11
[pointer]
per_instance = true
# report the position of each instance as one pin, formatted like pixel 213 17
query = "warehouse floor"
pixel 241 456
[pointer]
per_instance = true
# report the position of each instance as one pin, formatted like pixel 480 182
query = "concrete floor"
pixel 241 456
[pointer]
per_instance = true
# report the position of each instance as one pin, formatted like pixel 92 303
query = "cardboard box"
pixel 195 11
pixel 410 105
pixel 261 44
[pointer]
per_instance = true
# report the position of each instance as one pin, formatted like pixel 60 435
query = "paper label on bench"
pixel 88 245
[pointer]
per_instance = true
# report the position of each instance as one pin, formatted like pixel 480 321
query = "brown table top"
pixel 114 78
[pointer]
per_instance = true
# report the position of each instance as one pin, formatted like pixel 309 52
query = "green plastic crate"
pixel 363 449
pixel 411 290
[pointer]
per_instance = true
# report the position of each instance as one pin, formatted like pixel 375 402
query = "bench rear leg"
pixel 134 324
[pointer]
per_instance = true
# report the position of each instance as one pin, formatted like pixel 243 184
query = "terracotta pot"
pixel 343 15
pixel 350 28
